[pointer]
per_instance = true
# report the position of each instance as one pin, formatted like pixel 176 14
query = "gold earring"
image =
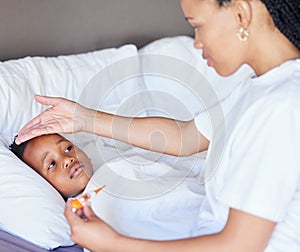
pixel 242 34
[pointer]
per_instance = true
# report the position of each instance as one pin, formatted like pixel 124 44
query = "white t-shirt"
pixel 259 168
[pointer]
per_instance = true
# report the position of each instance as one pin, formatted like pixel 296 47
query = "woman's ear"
pixel 243 12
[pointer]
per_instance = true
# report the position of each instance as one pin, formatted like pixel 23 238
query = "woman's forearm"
pixel 153 133
pixel 157 134
pixel 243 232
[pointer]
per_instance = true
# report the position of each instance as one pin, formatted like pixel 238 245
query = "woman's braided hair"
pixel 286 16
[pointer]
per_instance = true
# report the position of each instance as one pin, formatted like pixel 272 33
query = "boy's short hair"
pixel 18 150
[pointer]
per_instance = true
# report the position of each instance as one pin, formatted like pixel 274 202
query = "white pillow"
pixel 30 207
pixel 182 78
pixel 65 76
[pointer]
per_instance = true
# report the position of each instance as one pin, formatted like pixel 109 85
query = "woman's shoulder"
pixel 268 103
pixel 278 88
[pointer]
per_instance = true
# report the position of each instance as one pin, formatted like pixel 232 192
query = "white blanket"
pixel 149 94
pixel 152 200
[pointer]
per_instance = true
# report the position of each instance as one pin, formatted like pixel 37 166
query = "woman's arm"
pixel 242 233
pixel 157 133
pixel 153 133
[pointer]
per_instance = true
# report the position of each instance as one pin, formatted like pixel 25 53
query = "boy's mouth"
pixel 75 170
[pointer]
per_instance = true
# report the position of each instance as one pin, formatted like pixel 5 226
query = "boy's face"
pixel 60 162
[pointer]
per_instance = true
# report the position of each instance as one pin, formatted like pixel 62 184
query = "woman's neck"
pixel 270 52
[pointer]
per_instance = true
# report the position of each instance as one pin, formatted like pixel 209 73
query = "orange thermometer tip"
pixel 99 189
pixel 82 199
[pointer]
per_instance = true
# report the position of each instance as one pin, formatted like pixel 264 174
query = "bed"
pixel 81 52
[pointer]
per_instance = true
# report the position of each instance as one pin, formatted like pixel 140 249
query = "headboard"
pixel 56 27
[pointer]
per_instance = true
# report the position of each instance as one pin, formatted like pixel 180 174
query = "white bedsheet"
pixel 72 77
pixel 151 200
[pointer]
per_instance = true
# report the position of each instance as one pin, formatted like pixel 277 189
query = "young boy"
pixel 59 161
pixel 69 170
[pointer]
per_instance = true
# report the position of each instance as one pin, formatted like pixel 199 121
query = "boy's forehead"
pixel 53 138
pixel 40 146
pixel 47 141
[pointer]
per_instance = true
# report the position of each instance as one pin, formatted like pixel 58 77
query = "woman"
pixel 255 190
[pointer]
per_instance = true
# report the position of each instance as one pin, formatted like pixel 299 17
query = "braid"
pixel 286 16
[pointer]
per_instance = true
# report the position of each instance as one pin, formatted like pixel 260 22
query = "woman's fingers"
pixel 47 100
pixel 31 129
pixel 62 116
pixel 35 131
pixel 72 217
pixel 58 118
pixel 24 134
pixel 89 231
pixel 36 127
pixel 88 212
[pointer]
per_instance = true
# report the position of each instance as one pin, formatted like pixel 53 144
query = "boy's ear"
pixel 243 12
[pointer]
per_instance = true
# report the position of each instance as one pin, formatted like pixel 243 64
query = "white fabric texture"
pixel 30 207
pixel 65 76
pixel 170 211
pixel 203 119
pixel 260 168
pixel 168 91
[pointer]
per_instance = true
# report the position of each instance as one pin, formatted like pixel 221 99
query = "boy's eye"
pixel 51 165
pixel 69 148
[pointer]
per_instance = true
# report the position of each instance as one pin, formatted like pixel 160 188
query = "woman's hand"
pixel 89 231
pixel 63 116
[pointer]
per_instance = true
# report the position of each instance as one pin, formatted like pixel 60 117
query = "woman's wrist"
pixel 89 120
pixel 97 122
pixel 124 244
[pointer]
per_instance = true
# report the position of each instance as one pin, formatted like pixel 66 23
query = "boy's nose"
pixel 68 161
